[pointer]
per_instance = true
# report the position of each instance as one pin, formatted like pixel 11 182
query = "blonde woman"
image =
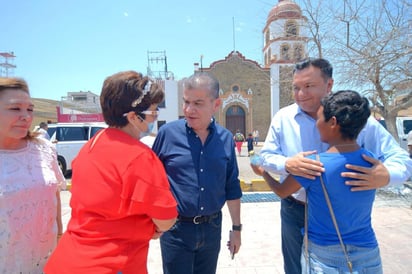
pixel 30 178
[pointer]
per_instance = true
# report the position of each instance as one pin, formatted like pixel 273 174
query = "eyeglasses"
pixel 154 113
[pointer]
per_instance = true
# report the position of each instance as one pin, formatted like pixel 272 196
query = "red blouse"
pixel 118 186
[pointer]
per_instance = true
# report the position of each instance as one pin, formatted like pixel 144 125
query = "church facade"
pixel 251 93
pixel 244 92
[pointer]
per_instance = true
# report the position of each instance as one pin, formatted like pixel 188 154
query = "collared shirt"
pixel 293 131
pixel 202 176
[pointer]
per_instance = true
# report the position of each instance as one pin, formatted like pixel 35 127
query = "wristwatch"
pixel 237 227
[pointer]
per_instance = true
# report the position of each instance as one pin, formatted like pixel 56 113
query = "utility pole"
pixel 157 64
pixel 6 65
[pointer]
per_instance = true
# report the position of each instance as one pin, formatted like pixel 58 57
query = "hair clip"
pixel 145 91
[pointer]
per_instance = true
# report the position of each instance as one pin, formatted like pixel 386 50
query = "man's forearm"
pixel 234 211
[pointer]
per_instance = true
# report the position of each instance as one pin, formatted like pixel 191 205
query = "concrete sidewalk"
pixel 260 252
pixel 261 241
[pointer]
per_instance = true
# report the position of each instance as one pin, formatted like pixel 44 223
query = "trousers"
pixel 331 259
pixel 192 248
pixel 292 222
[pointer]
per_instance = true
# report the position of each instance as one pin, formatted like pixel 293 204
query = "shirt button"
pixel 202 189
pixel 201 170
pixel 201 208
pixel 201 153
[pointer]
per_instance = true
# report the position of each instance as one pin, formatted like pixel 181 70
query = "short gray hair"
pixel 203 80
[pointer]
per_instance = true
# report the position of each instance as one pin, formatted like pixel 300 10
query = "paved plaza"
pixel 260 252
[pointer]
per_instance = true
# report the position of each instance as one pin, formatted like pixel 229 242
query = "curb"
pixel 254 185
pixel 68 186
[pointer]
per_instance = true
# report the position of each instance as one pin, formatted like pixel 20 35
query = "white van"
pixel 69 139
pixel 403 126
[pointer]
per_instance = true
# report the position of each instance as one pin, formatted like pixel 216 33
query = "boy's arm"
pixel 284 189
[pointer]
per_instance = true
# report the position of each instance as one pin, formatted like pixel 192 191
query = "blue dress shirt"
pixel 202 176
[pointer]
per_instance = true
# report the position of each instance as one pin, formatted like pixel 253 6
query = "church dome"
pixel 284 9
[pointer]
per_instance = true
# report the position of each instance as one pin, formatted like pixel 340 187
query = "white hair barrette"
pixel 145 91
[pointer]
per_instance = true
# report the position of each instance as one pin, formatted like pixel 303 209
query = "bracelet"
pixel 237 227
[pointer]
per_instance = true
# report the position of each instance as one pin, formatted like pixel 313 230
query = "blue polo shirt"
pixel 202 177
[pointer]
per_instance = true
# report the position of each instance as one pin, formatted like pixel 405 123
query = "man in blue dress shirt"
pixel 293 135
pixel 200 161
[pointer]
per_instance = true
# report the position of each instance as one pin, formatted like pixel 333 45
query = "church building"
pixel 251 93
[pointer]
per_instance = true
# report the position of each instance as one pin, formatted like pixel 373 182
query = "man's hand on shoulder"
pixel 299 165
pixel 367 178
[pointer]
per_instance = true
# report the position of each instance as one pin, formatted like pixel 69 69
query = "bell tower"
pixel 284 44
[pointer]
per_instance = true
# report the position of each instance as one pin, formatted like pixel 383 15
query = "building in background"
pixel 251 93
pixel 284 43
pixel 80 106
pixel 245 93
pixel 169 110
pixel 157 69
pixel 85 106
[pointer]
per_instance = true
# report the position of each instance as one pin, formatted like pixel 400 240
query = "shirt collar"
pixel 211 126
pixel 300 112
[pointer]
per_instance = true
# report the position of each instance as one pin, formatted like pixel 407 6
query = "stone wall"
pixel 253 84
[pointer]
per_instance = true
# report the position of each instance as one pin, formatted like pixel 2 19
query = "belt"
pixel 197 220
pixel 294 200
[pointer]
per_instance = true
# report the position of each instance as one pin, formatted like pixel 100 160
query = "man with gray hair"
pixel 200 161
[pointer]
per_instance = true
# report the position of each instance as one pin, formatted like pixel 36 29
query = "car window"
pixel 51 131
pixel 407 126
pixel 72 133
pixel 94 130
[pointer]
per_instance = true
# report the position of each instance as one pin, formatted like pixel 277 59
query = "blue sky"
pixel 64 46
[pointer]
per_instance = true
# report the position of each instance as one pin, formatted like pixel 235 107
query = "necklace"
pixel 345 145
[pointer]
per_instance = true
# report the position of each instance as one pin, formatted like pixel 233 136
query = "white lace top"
pixel 29 179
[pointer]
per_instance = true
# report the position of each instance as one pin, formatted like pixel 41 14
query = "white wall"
pixel 170 112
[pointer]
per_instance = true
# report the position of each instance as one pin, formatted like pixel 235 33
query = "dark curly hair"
pixel 128 91
pixel 350 109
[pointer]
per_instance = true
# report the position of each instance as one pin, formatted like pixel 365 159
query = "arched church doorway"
pixel 235 119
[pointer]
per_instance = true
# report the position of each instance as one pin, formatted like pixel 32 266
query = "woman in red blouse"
pixel 120 193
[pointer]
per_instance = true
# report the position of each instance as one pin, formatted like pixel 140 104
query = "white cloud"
pixel 125 14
